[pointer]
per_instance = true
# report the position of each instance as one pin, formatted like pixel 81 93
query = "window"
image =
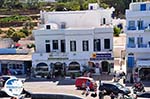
pixel 107 43
pixel 131 42
pixel 47 48
pixel 48 27
pixel 140 41
pixel 85 46
pixel 47 45
pixel 47 41
pixel 140 24
pixel 143 7
pixel 72 45
pixel 55 44
pixel 97 45
pixel 131 25
pixel 91 7
pixel 63 46
pixel 104 20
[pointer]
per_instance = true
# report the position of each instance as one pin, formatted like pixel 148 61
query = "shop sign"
pixel 101 56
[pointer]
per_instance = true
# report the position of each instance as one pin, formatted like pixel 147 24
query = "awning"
pixel 143 63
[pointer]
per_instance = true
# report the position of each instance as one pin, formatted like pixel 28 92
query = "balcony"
pixel 138 48
pixel 138 30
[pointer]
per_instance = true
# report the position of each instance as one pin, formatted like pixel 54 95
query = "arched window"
pixel 74 66
pixel 42 67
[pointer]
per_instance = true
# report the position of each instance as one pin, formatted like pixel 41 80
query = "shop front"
pixel 143 69
pixel 102 62
pixel 14 67
pixel 58 69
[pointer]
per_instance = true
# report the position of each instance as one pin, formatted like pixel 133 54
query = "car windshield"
pixel 119 85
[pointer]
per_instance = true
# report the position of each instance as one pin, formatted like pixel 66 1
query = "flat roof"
pixel 16 57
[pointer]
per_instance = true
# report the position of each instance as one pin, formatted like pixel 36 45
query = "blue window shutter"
pixel 143 7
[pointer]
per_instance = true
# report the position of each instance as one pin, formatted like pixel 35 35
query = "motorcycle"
pixel 138 87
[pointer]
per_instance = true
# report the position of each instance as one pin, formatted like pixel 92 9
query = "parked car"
pixel 3 80
pixel 143 95
pixel 114 87
pixel 82 80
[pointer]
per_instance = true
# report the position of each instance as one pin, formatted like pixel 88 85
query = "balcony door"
pixel 131 43
pixel 140 41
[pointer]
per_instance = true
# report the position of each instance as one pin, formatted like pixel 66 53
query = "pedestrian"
pixel 95 90
pixel 112 95
pixel 87 87
pixel 101 94
pixel 84 88
pixel 1 82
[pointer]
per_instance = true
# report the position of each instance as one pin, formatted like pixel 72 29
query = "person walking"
pixel 101 94
pixel 87 87
pixel 95 90
pixel 84 88
pixel 112 95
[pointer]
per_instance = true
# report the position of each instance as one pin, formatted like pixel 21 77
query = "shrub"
pixel 116 31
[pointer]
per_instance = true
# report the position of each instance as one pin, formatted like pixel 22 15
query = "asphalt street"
pixel 61 86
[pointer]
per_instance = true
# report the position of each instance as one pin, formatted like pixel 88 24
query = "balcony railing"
pixel 146 28
pixel 138 45
pixel 131 45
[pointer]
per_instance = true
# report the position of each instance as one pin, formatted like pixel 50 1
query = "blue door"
pixel 130 61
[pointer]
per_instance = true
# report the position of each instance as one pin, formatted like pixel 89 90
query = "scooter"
pixel 138 89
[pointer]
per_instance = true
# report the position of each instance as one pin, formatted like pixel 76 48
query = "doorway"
pixel 105 66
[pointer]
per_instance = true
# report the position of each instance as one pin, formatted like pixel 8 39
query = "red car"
pixel 80 81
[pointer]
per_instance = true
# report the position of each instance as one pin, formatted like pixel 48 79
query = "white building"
pixel 71 40
pixel 138 38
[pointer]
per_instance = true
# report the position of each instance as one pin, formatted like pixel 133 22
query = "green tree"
pixel 9 32
pixel 17 35
pixel 116 31
pixel 1 31
pixel 28 25
pixel 1 3
pixel 12 4
pixel 25 31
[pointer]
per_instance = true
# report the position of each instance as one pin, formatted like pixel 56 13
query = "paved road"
pixel 58 87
